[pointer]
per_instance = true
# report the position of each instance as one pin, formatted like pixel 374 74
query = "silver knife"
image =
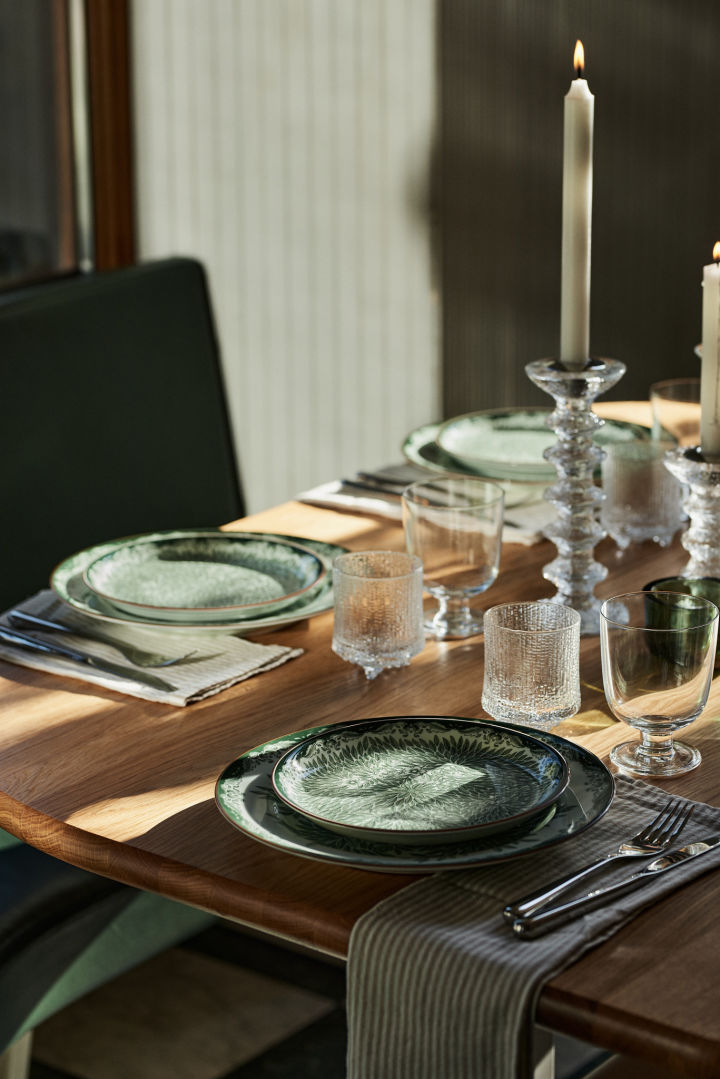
pixel 34 644
pixel 534 925
pixel 375 488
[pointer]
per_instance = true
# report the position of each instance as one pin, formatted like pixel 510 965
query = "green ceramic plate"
pixel 68 582
pixel 502 444
pixel 245 795
pixel 420 780
pixel 198 577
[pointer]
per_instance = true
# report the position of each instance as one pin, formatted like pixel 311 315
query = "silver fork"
pixel 139 656
pixel 655 837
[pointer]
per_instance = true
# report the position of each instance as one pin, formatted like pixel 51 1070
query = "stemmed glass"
pixel 658 651
pixel 454 525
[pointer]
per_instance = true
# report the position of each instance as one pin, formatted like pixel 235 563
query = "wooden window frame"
pixel 109 89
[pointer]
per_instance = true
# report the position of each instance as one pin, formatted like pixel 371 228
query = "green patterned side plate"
pixel 201 577
pixel 245 796
pixel 421 446
pixel 68 583
pixel 420 780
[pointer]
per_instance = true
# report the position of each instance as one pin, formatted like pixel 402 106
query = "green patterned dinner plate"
pixel 245 796
pixel 196 576
pixel 68 583
pixel 507 443
pixel 420 780
pixel 503 444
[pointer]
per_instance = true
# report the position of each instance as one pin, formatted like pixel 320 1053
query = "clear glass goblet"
pixel 378 609
pixel 454 525
pixel 658 651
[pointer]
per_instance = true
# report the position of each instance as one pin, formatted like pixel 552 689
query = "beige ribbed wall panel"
pixel 287 144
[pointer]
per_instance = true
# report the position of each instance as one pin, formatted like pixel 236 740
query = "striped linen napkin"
pixel 218 660
pixel 438 986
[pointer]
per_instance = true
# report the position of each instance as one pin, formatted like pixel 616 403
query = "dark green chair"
pixel 112 415
pixel 113 421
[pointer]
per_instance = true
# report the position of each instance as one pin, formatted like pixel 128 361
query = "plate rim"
pixel 329 855
pixel 212 613
pixel 437 834
pixel 325 549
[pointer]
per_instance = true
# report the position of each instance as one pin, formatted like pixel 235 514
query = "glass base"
pixel 509 712
pixel 634 759
pixel 624 535
pixel 374 664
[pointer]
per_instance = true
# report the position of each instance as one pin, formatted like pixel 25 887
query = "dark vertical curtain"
pixel 504 68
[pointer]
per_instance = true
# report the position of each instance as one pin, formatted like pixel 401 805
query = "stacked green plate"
pixel 503 444
pixel 69 581
pixel 246 797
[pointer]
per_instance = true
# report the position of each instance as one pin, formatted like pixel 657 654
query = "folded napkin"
pixel 524 522
pixel 438 985
pixel 218 660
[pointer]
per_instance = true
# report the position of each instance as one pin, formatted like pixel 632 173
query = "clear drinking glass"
pixel 378 609
pixel 658 650
pixel 454 525
pixel 532 663
pixel 675 404
pixel 643 500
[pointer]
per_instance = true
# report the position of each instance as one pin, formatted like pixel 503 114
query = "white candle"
pixel 577 219
pixel 710 375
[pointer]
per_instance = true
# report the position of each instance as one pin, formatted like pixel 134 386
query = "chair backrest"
pixel 113 418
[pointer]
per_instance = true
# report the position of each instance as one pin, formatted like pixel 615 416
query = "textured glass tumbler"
pixel 532 663
pixel 643 501
pixel 658 651
pixel 675 404
pixel 378 609
pixel 454 525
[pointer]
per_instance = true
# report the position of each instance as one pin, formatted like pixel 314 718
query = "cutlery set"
pixel 534 914
pixel 543 921
pixel 18 639
pixel 139 657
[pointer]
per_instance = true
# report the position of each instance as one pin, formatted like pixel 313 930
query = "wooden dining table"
pixel 125 788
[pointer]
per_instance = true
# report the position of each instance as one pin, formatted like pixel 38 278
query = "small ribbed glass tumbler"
pixel 378 598
pixel 642 498
pixel 532 663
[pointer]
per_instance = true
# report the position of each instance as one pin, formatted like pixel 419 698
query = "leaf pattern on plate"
pixel 420 776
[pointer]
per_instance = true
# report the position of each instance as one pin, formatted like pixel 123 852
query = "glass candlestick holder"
pixel 701 502
pixel 576 530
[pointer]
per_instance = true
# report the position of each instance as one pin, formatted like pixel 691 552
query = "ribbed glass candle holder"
pixel 575 456
pixel 701 502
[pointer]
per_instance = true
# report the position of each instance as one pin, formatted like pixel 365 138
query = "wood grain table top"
pixel 125 788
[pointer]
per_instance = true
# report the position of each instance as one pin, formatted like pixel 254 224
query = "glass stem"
pixel 453 611
pixel 655 747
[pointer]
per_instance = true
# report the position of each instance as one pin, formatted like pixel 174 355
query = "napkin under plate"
pixel 438 985
pixel 218 660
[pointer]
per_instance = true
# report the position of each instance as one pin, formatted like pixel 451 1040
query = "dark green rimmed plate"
pixel 245 795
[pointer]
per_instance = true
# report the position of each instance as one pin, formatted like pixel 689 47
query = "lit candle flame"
pixel 579 60
pixel 716 251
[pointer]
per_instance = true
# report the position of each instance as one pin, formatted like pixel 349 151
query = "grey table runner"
pixel 438 986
